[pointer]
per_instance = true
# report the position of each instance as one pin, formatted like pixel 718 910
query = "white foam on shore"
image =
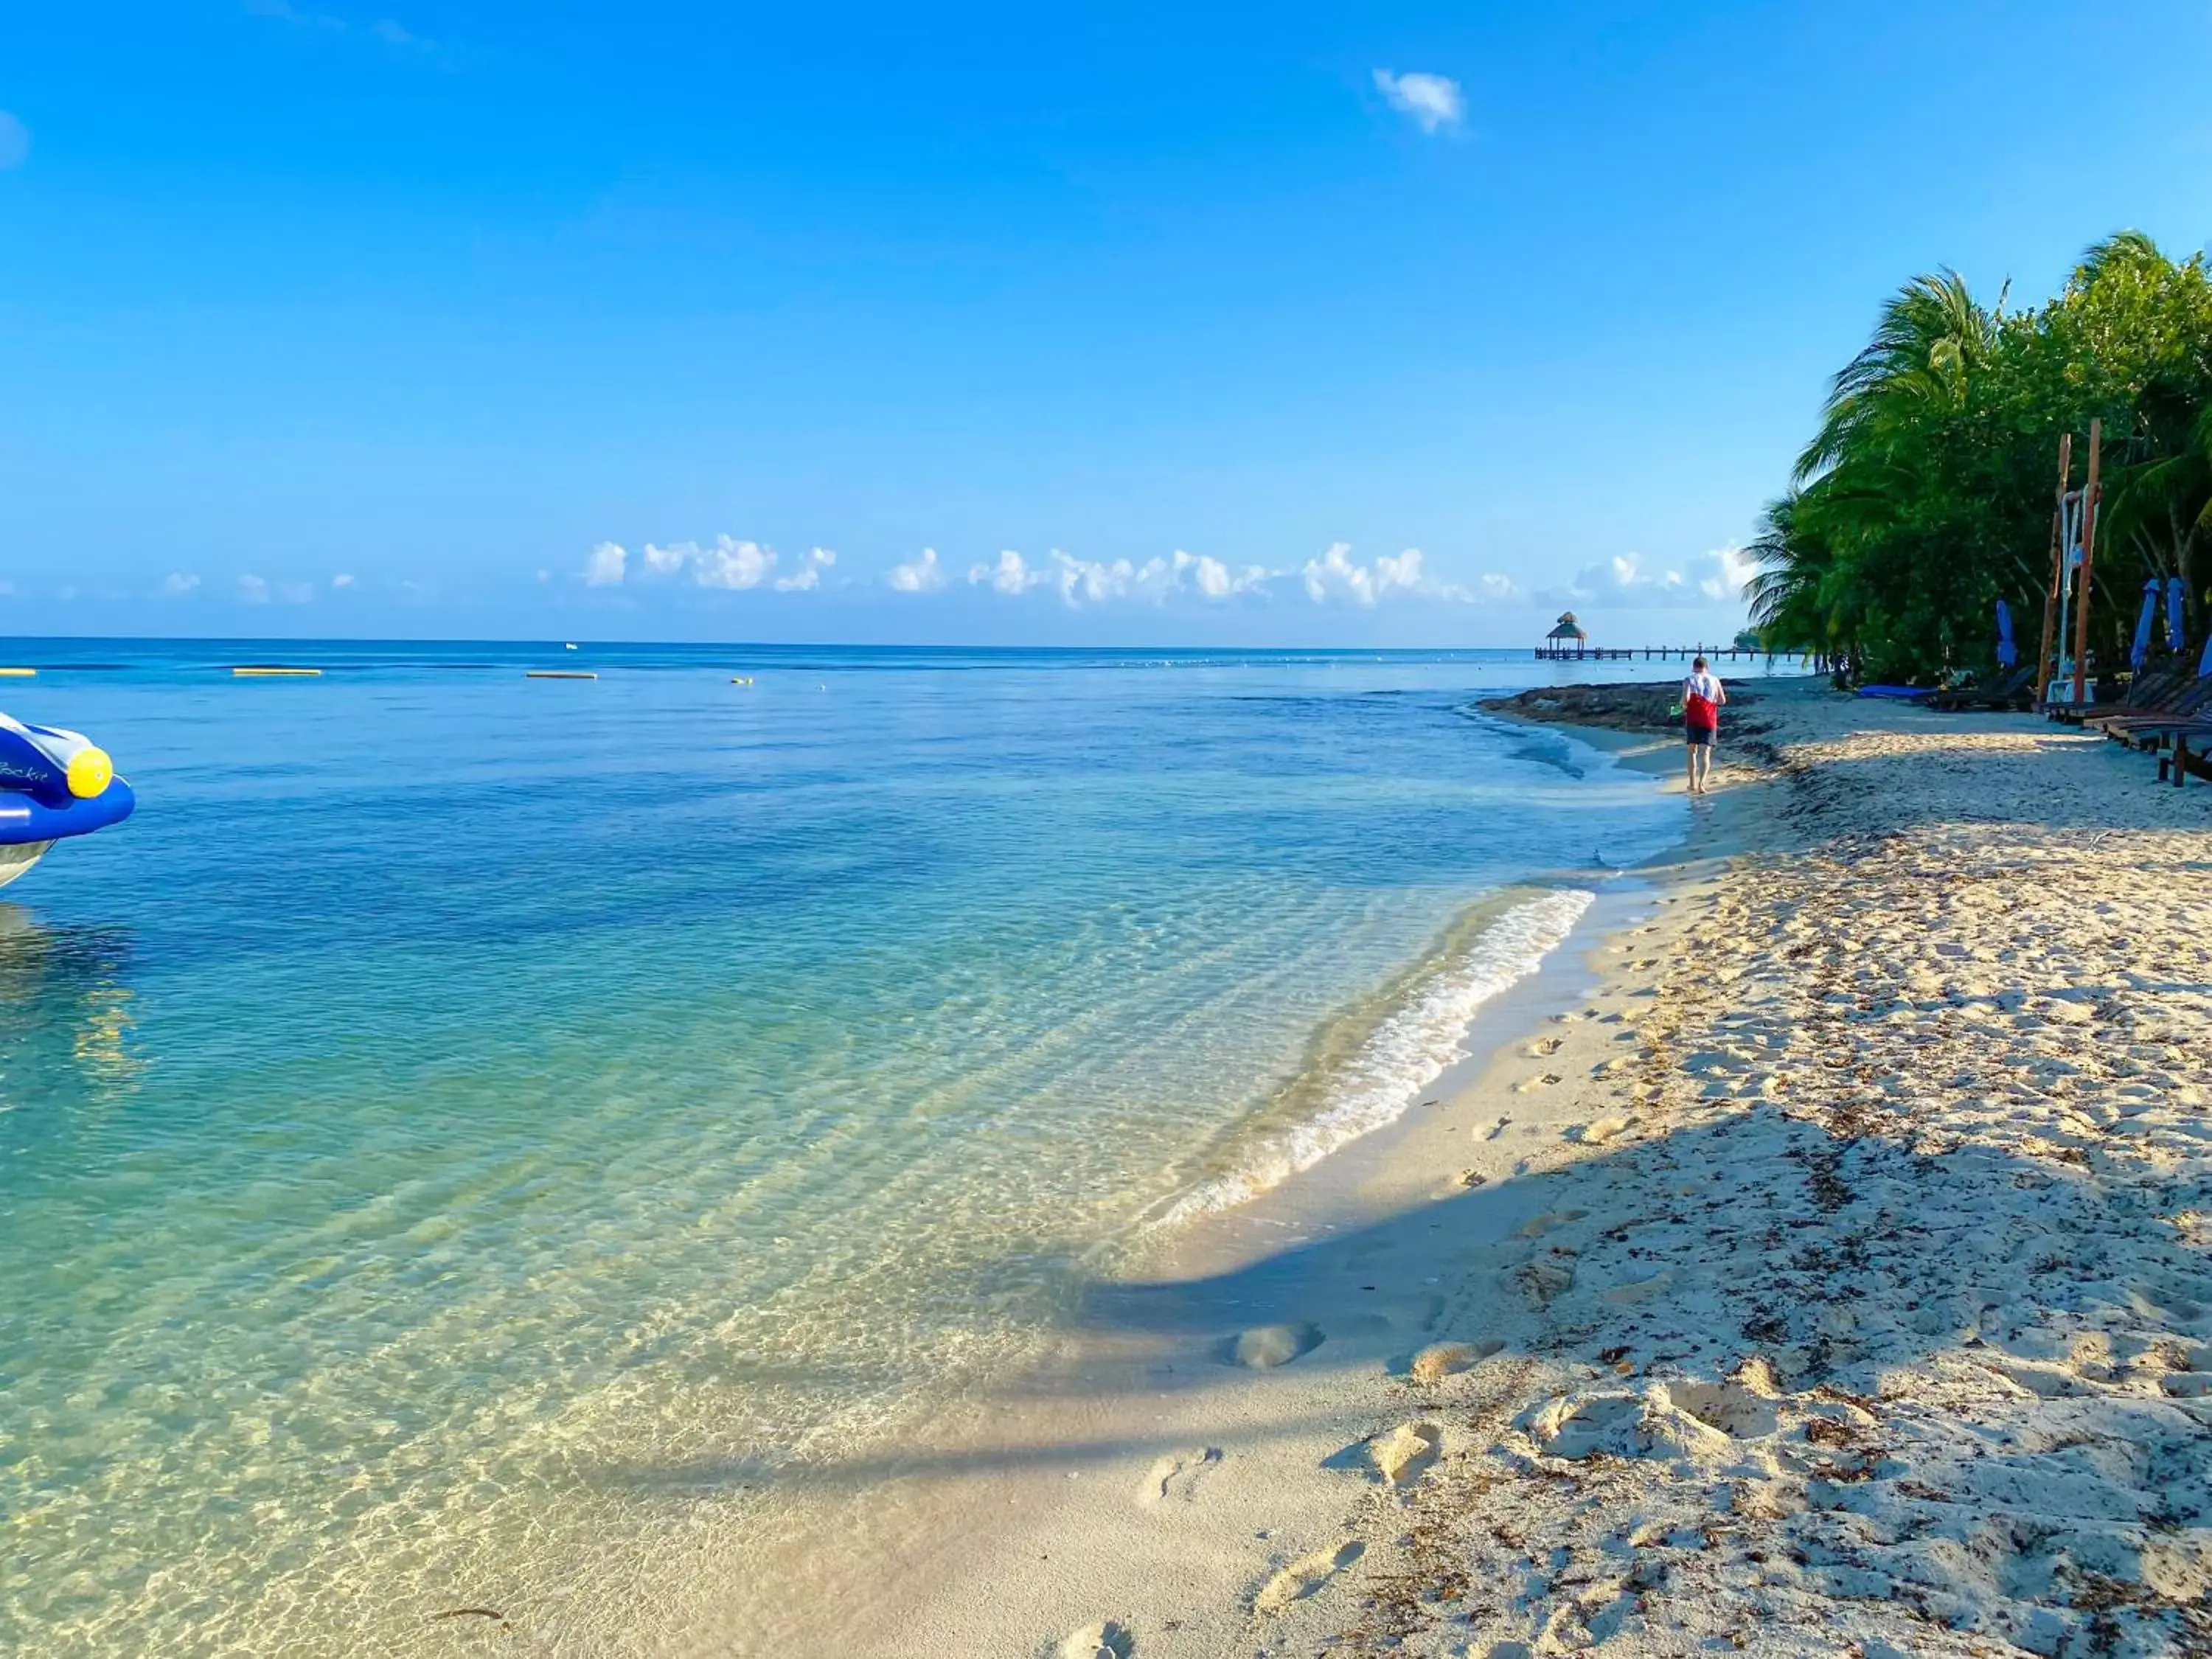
pixel 1407 1052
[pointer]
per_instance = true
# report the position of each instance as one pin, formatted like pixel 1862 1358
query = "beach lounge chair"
pixel 2192 748
pixel 2153 695
pixel 2186 700
pixel 2015 691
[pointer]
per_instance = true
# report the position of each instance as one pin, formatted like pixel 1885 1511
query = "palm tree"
pixel 1787 595
pixel 1930 338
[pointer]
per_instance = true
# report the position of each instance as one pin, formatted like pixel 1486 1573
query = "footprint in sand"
pixel 1537 1225
pixel 1496 1129
pixel 1734 1411
pixel 1175 1477
pixel 1305 1576
pixel 1602 1130
pixel 1403 1455
pixel 1544 1047
pixel 1441 1359
pixel 1270 1345
pixel 1106 1641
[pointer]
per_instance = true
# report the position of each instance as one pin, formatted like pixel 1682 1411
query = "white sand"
pixel 1833 1280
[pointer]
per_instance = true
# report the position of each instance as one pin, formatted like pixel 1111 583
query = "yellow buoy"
pixel 272 673
pixel 90 772
pixel 17 673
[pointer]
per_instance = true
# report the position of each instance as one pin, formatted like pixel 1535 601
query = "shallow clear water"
pixel 466 1131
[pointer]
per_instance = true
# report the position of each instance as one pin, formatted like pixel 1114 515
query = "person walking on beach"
pixel 1702 697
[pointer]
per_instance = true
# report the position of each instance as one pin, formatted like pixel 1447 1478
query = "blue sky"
pixel 1389 324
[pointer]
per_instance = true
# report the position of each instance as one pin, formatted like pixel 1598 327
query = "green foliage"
pixel 1927 493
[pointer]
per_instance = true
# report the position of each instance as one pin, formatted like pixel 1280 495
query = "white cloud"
pixel 607 565
pixel 258 590
pixel 1336 575
pixel 728 563
pixel 1732 569
pixel 399 40
pixel 1215 580
pixel 1094 581
pixel 1627 574
pixel 1085 582
pixel 342 579
pixel 808 577
pixel 179 583
pixel 920 575
pixel 14 142
pixel 1627 578
pixel 1433 101
pixel 282 11
pixel 1012 574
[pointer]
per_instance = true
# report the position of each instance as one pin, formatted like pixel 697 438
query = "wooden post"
pixel 2089 562
pixel 2045 667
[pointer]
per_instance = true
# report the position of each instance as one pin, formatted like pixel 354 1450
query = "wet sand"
pixel 1828 1277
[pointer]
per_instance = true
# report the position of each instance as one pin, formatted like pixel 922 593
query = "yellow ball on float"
pixel 90 772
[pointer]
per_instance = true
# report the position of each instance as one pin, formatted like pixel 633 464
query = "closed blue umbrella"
pixel 2142 651
pixel 2177 596
pixel 2007 653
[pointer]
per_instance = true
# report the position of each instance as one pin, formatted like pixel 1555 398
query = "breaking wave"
pixel 1408 1049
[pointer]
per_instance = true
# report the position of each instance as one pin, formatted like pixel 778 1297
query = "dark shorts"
pixel 1699 736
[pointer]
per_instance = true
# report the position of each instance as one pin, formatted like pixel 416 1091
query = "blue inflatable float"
pixel 53 784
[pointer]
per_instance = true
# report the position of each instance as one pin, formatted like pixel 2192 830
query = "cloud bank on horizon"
pixel 1333 577
pixel 682 574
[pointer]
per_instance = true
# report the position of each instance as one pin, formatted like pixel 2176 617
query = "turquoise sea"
pixel 468 1137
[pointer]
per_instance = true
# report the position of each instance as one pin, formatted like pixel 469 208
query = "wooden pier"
pixel 1571 651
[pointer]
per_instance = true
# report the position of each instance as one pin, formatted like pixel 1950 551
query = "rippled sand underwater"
pixel 468 1139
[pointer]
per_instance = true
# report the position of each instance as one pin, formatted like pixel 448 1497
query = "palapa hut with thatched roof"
pixel 1566 639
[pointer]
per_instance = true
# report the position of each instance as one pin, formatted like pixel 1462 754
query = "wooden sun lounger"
pixel 2181 733
pixel 2149 692
pixel 2153 694
pixel 2185 701
pixel 2016 691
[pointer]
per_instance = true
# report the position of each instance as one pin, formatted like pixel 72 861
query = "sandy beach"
pixel 1826 1275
